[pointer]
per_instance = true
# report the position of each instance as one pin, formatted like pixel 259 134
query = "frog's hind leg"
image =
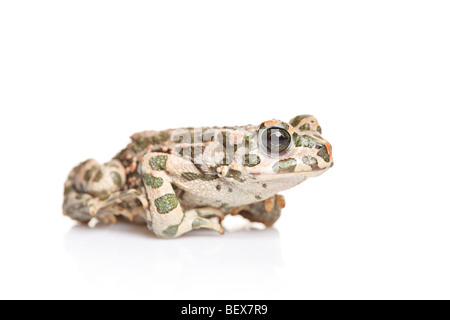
pixel 266 212
pixel 165 216
pixel 94 190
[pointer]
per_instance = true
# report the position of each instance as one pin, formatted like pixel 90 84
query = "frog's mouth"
pixel 313 173
pixel 307 174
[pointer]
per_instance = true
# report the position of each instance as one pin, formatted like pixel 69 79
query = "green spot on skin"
pixel 226 140
pixel 310 161
pixel 171 231
pixel 251 142
pixel 158 162
pixel 115 176
pixel 68 190
pixel 98 176
pixel 294 122
pixel 154 182
pixel 319 129
pixel 236 175
pixel 194 136
pixel 258 197
pixel 191 176
pixel 197 223
pixel 307 142
pixel 219 187
pixel 285 166
pixel 209 177
pixel 251 160
pixel 88 174
pixel 323 153
pixel 166 203
pixel 105 197
pixel 195 151
pixel 143 142
pixel 228 159
pixel 137 147
pixel 305 127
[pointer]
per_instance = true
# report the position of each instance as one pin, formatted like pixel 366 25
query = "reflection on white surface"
pixel 129 257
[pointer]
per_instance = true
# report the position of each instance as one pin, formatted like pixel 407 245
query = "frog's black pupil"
pixel 278 140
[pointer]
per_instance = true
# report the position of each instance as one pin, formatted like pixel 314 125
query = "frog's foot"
pixel 107 219
pixel 266 212
pixel 170 227
pixel 108 215
pixel 84 207
pixel 165 216
pixel 190 221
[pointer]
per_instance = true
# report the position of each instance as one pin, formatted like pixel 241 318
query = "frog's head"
pixel 296 148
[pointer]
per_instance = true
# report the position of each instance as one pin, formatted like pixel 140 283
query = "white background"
pixel 77 78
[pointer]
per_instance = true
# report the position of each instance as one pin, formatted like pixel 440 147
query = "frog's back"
pixel 142 143
pixel 165 141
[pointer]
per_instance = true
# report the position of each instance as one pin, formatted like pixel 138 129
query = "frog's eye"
pixel 276 140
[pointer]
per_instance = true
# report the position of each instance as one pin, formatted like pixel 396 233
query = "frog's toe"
pixel 269 204
pixel 108 219
pixel 196 219
pixel 210 212
pixel 202 223
pixel 281 201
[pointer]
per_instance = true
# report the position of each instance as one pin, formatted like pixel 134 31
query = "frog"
pixel 179 180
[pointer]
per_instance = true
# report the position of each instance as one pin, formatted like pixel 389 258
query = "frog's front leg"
pixel 165 215
pixel 266 212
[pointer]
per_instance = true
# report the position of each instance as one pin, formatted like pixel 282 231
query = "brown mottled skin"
pixel 185 179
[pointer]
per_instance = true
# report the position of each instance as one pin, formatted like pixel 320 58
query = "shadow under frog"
pixel 252 257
